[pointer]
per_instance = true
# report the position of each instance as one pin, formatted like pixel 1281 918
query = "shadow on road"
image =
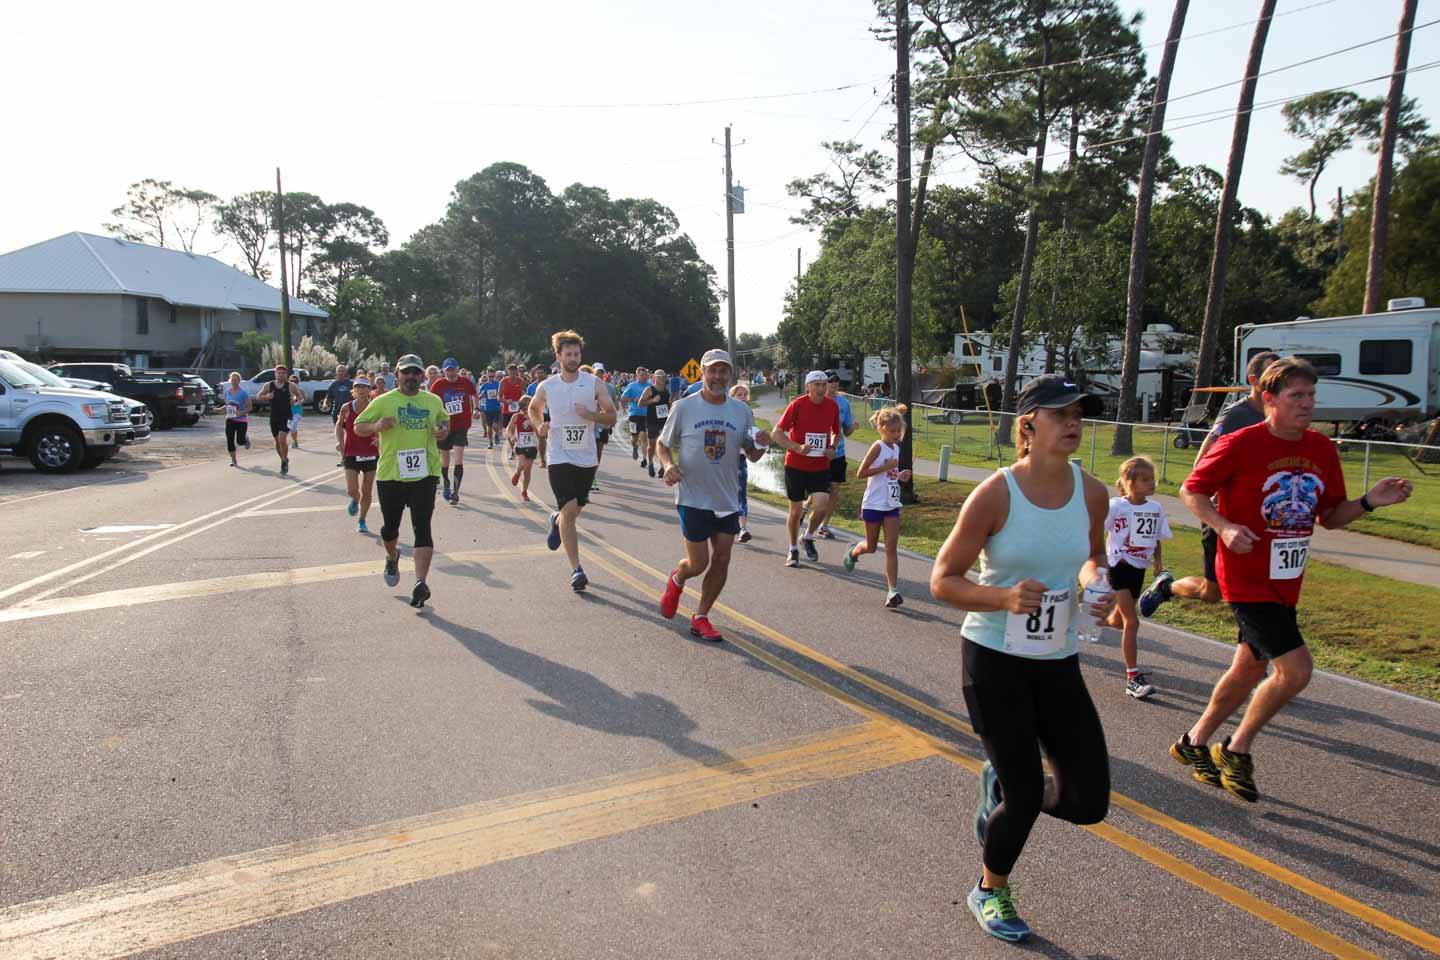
pixel 585 700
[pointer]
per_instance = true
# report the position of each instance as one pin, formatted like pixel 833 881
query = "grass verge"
pixel 1358 624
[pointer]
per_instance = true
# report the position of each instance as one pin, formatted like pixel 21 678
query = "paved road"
pixel 222 736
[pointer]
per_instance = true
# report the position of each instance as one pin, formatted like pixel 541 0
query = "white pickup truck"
pixel 314 390
pixel 61 428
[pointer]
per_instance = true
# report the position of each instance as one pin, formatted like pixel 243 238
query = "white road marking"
pixel 127 527
pixel 287 511
pixel 26 555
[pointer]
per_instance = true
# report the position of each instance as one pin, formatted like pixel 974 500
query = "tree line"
pixel 1081 226
pixel 506 263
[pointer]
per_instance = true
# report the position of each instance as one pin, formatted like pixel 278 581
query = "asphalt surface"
pixel 221 735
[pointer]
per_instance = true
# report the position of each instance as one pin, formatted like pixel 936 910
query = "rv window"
pixel 1325 364
pixel 1385 356
pixel 969 349
pixel 995 363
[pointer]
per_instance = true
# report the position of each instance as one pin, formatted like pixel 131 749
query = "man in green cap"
pixel 409 421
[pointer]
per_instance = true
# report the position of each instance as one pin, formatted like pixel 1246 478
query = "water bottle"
pixel 1095 591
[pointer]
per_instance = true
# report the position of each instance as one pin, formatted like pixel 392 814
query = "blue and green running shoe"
pixel 995 911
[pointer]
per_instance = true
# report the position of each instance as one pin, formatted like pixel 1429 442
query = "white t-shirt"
pixel 882 490
pixel 572 438
pixel 1132 531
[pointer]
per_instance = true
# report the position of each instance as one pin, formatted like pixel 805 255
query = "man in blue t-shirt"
pixel 489 391
pixel 838 463
pixel 677 385
pixel 633 410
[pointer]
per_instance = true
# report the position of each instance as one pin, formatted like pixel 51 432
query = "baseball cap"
pixel 715 356
pixel 450 362
pixel 815 376
pixel 1053 391
pixel 832 377
pixel 361 382
pixel 410 360
pixel 599 368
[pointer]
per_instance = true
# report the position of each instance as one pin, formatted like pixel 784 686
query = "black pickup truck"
pixel 172 400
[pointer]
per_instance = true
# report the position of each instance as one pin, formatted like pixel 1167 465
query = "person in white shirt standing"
pixel 1134 528
pixel 577 403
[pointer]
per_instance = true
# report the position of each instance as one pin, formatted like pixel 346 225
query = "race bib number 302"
pixel 1287 557
pixel 1044 631
pixel 413 464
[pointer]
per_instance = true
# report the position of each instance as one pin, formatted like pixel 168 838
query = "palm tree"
pixel 1139 239
pixel 1389 127
pixel 1220 259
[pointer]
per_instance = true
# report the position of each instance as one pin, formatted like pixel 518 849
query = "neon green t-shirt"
pixel 407 450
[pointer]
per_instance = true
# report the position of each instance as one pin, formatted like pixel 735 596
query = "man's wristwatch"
pixel 1365 503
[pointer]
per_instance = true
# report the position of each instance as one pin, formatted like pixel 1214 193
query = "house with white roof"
pixel 87 297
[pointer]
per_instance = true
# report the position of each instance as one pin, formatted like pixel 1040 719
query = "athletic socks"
pixel 1131 674
pixel 459 475
pixel 445 472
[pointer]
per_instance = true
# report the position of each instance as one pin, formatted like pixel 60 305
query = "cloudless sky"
pixel 388 105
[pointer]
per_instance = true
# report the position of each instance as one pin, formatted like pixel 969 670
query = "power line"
pixel 668 103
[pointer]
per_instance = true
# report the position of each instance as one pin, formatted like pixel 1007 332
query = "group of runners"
pixel 1040 529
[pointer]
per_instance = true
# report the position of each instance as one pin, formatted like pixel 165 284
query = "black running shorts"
pixel 837 470
pixel 361 464
pixel 1209 544
pixel 1270 630
pixel 800 484
pixel 455 438
pixel 569 482
pixel 1125 577
pixel 419 496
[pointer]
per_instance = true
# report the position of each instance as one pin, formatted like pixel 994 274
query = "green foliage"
pixel 1329 122
pixel 251 345
pixel 840 191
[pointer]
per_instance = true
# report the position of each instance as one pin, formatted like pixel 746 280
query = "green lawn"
pixel 1395 644
pixel 1415 521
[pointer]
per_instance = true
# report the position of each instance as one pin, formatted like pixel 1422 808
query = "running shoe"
pixel 515 479
pixel 670 599
pixel 1158 593
pixel 392 573
pixel 284 467
pixel 525 495
pixel 553 541
pixel 455 498
pixel 893 599
pixel 995 911
pixel 644 462
pixel 354 507
pixel 419 595
pixel 234 464
pixel 811 553
pixel 1237 771
pixel 445 492
pixel 849 562
pixel 744 535
pixel 594 484
pixel 990 798
pixel 651 469
pixel 793 558
pixel 247 443
pixel 700 627
pixel 1138 686
pixel 578 580
pixel 361 528
pixel 634 454
pixel 1197 757
pixel 824 533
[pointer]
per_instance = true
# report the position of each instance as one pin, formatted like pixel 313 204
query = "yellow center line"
pixel 190 589
pixel 128 916
pixel 1228 892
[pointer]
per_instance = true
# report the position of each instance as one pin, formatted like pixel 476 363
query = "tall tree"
pixel 1220 256
pixel 1140 235
pixel 852 177
pixel 1389 130
pixel 160 213
pixel 1330 122
pixel 246 220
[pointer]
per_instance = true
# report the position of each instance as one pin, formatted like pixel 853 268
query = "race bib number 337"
pixel 573 435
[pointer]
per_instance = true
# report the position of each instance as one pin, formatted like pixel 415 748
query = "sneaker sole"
pixel 997 934
pixel 1249 795
pixel 1195 773
pixel 1141 696
pixel 715 639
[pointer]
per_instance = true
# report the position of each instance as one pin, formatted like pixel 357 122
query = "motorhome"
pixel 1381 368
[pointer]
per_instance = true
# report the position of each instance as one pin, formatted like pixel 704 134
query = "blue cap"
pixel 450 362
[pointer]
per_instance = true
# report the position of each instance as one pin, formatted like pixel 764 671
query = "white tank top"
pixel 572 439
pixel 882 490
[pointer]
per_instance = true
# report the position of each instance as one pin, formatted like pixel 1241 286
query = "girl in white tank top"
pixel 880 508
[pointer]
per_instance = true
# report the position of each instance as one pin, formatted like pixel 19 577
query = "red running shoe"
pixel 670 599
pixel 525 495
pixel 515 479
pixel 700 627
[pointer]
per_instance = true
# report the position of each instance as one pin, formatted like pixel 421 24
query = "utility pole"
pixel 797 270
pixel 904 242
pixel 729 246
pixel 284 289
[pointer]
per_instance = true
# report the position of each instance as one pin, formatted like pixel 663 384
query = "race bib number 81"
pixel 413 463
pixel 1043 631
pixel 1287 558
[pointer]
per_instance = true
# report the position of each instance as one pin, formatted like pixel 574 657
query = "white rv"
pixel 1378 367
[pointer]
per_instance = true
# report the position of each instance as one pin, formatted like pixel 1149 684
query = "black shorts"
pixel 492 417
pixel 1270 630
pixel 698 525
pixel 1209 544
pixel 637 425
pixel 1125 577
pixel 505 418
pixel 455 438
pixel 837 470
pixel 278 427
pixel 602 436
pixel 800 484
pixel 569 482
pixel 532 453
pixel 653 428
pixel 362 464
pixel 419 496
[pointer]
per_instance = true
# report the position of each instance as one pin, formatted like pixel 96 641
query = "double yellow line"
pixel 1245 900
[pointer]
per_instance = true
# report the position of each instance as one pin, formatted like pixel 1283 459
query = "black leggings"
pixel 1019 705
pixel 235 431
pixel 395 496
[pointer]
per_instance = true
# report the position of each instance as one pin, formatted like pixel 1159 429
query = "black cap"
pixel 1053 391
pixel 832 376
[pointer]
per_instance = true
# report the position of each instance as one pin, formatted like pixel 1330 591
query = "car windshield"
pixel 18 376
pixel 43 375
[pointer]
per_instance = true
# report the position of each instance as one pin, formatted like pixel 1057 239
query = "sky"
pixel 389 105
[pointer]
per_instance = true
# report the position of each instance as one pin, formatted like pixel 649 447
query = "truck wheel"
pixel 56 449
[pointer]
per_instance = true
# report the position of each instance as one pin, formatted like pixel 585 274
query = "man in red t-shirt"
pixel 458 395
pixel 808 431
pixel 512 388
pixel 1274 481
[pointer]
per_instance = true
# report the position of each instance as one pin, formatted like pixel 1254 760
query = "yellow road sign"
pixel 691 370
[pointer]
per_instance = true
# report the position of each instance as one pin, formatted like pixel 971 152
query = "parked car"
pixel 171 399
pixel 61 428
pixel 315 390
pixel 209 398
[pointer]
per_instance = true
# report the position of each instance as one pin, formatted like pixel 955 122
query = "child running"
pixel 741 392
pixel 881 506
pixel 297 410
pixel 1134 528
pixel 521 435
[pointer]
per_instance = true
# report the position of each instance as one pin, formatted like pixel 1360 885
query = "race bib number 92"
pixel 413 463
